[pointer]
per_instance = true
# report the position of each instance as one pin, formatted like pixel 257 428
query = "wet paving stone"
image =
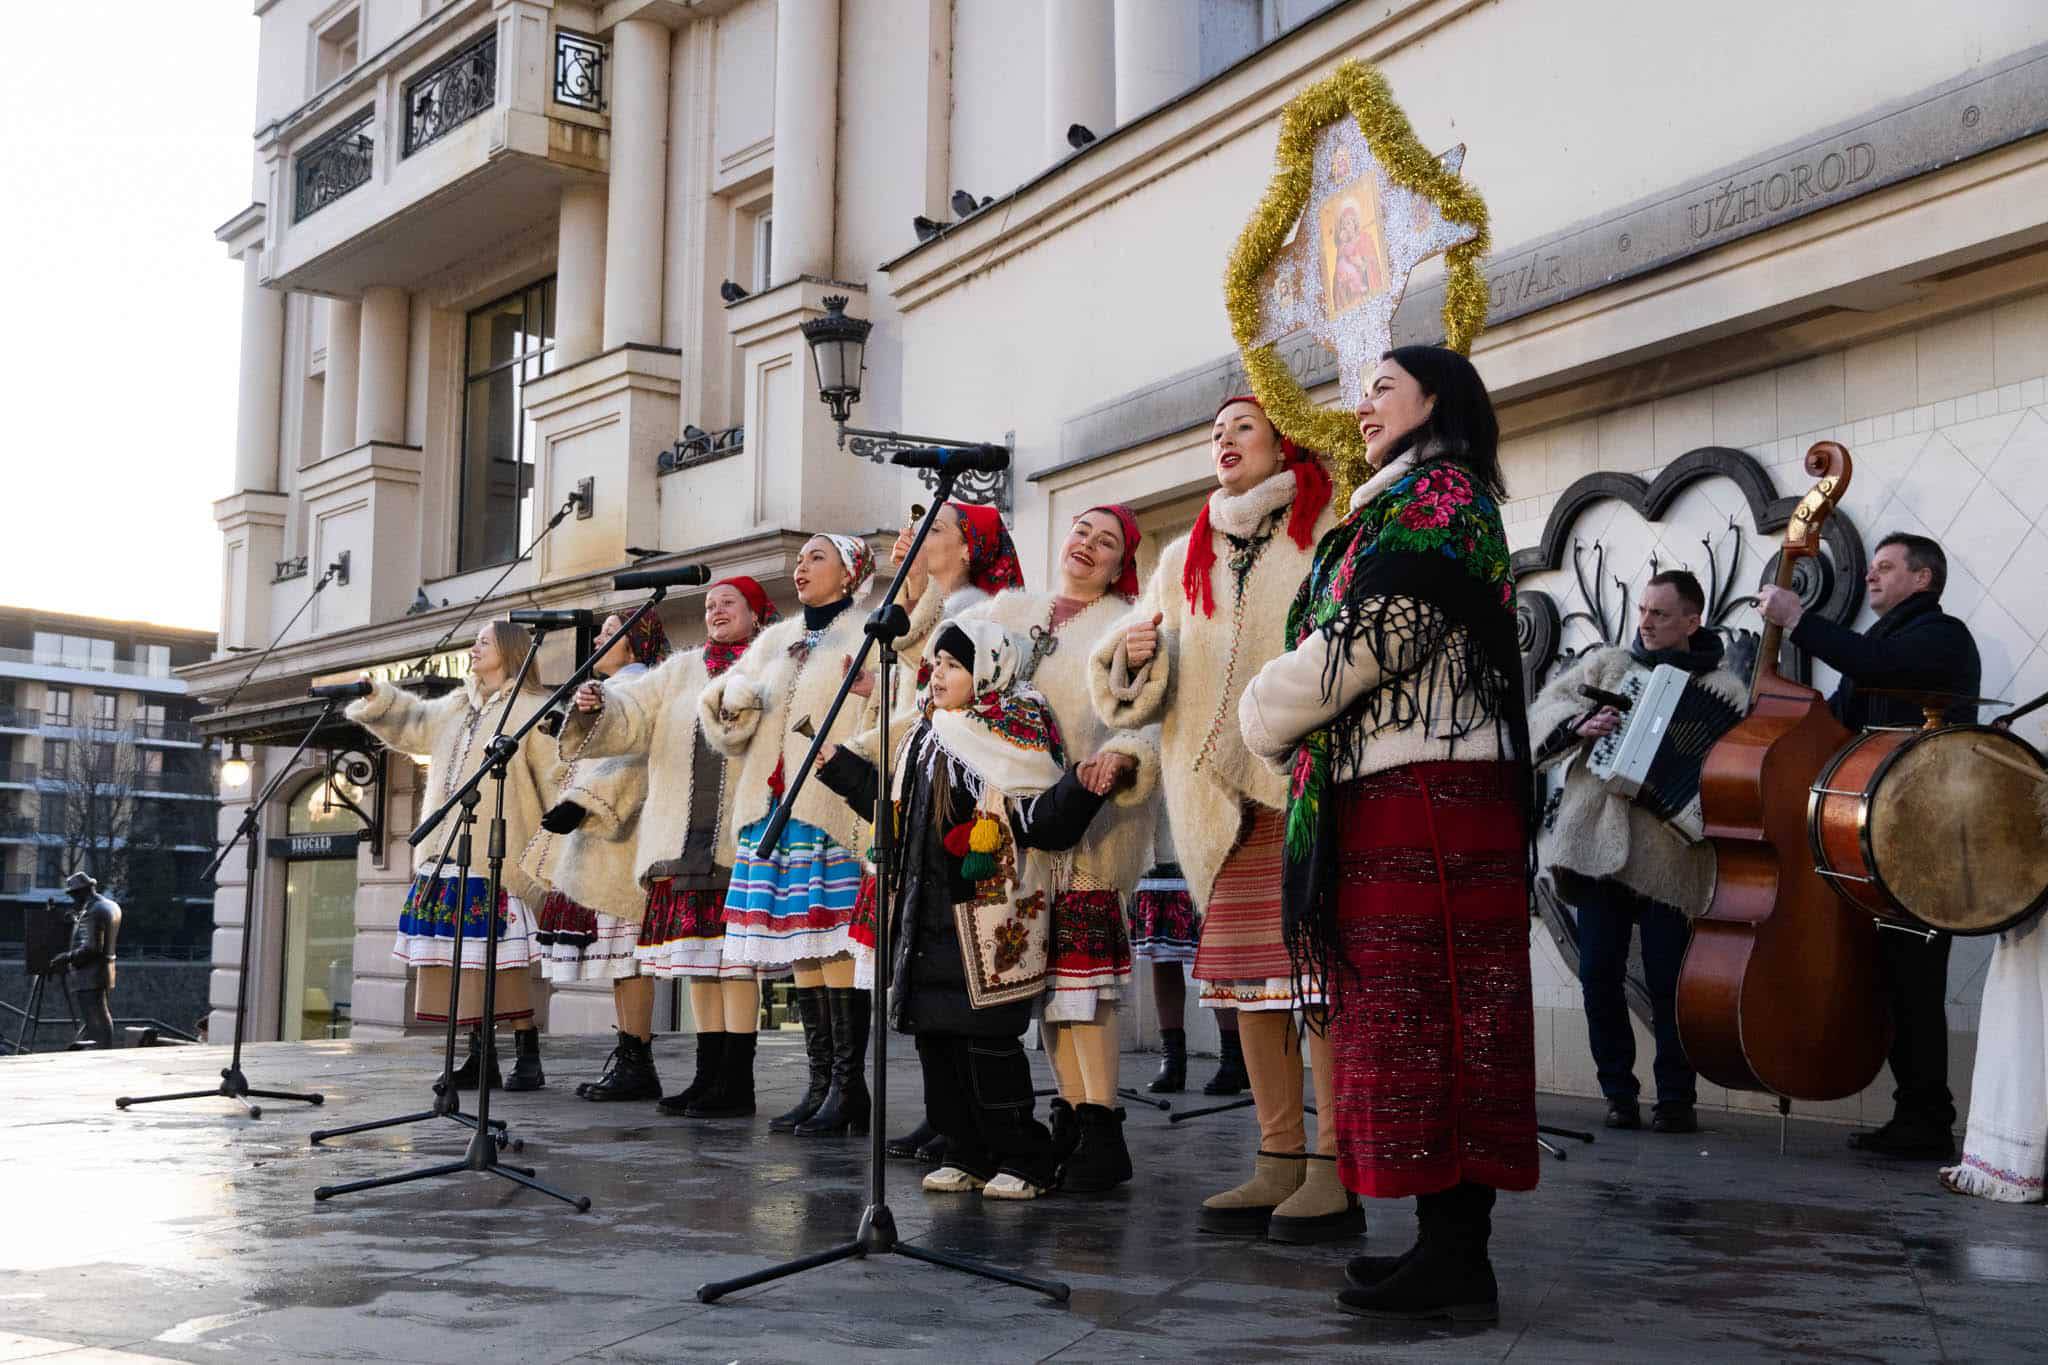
pixel 189 1232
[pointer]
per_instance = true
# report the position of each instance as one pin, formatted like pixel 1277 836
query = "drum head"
pixel 1957 838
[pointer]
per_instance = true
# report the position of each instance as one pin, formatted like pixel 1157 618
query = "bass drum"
pixel 1920 830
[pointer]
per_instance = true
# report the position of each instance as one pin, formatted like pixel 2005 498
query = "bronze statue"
pixel 95 929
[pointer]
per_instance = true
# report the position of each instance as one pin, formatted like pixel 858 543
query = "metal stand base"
pixel 482 1156
pixel 1244 1103
pixel 1552 1148
pixel 1124 1092
pixel 877 1237
pixel 233 1086
pixel 447 1105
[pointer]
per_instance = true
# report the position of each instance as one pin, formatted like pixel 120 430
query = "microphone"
pixel 340 691
pixel 681 576
pixel 567 619
pixel 1605 698
pixel 957 459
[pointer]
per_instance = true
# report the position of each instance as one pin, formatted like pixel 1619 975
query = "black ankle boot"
pixel 709 1047
pixel 905 1148
pixel 1173 1063
pixel 631 1074
pixel 1101 1162
pixel 1448 1274
pixel 1066 1130
pixel 466 1075
pixel 817 1021
pixel 847 1103
pixel 1230 1077
pixel 526 1072
pixel 731 1093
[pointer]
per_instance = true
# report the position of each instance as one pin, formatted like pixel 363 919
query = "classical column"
pixel 261 389
pixel 639 173
pixel 386 336
pixel 806 137
pixel 1081 60
pixel 579 274
pixel 338 390
pixel 1158 54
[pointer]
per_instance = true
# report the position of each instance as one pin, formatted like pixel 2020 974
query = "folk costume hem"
pixel 426 932
pixel 796 905
pixel 1165 926
pixel 580 944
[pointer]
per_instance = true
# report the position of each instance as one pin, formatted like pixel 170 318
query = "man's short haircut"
pixel 1921 553
pixel 1685 585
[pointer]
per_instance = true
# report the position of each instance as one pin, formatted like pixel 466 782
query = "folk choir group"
pixel 1297 763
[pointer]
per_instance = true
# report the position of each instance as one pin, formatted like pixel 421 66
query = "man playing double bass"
pixel 1913 645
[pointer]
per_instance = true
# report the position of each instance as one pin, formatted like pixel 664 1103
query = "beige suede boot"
pixel 1245 1211
pixel 1322 1210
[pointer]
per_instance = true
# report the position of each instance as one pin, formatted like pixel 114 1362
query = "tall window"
pixel 509 343
pixel 155 660
pixel 56 708
pixel 56 757
pixel 105 708
pixel 73 651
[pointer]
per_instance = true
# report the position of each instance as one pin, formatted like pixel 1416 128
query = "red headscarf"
pixel 1126 584
pixel 1311 496
pixel 757 597
pixel 991 559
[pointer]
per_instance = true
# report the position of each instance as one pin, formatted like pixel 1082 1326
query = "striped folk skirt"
pixel 1431 1029
pixel 796 905
pixel 1242 961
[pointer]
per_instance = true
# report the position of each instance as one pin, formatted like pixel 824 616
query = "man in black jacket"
pixel 1915 645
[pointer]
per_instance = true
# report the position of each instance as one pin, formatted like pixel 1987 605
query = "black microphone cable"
pixel 573 501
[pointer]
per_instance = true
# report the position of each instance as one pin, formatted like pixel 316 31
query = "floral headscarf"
pixel 647 641
pixel 992 562
pixel 858 558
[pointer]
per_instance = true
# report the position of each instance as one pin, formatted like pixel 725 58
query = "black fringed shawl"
pixel 1418 578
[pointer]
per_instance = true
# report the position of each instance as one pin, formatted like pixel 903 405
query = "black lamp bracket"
pixel 975 486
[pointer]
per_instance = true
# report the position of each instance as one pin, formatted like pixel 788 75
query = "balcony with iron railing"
pixel 172 784
pixel 480 113
pixel 17 774
pixel 165 732
pixel 19 718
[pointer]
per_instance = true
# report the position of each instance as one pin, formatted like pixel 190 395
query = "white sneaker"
pixel 952 1180
pixel 1010 1187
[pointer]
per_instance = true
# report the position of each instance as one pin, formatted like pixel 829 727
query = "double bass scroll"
pixel 1779 991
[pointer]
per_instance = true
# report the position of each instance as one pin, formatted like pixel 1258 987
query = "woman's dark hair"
pixel 1462 422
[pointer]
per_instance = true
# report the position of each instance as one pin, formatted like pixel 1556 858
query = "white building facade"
pixel 488 238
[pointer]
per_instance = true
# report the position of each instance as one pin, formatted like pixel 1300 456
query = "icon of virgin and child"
pixel 1354 247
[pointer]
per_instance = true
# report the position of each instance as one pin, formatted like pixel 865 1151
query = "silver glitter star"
pixel 1341 275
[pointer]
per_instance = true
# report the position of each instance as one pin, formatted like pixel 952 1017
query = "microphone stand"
pixel 482 1153
pixel 233 1084
pixel 876 1233
pixel 447 1102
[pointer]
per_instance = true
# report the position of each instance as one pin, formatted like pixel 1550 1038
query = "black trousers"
pixel 977 1092
pixel 1610 914
pixel 1915 976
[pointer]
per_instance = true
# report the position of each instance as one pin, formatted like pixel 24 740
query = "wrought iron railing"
pixel 697 446
pixel 17 772
pixel 180 731
pixel 579 71
pixel 332 165
pixel 451 92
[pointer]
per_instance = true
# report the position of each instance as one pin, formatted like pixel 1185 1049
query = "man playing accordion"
pixel 1618 861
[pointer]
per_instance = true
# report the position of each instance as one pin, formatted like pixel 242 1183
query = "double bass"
pixel 1779 990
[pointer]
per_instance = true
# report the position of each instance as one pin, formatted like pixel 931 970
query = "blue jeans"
pixel 1609 913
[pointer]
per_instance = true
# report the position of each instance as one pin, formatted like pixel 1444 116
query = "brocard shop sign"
pixel 341 845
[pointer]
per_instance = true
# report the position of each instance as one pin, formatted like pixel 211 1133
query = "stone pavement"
pixel 189 1232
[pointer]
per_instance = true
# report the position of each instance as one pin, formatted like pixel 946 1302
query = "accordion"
pixel 1655 756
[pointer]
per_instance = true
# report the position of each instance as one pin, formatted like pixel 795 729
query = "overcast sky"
pixel 123 143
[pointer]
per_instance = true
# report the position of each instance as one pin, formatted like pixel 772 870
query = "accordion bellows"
pixel 1656 755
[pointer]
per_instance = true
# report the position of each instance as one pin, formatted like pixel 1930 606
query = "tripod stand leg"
pixel 126 1100
pixel 320 1135
pixel 312 1099
pixel 718 1289
pixel 325 1192
pixel 1052 1289
pixel 1125 1092
pixel 1187 1114
pixel 520 1176
pixel 1552 1148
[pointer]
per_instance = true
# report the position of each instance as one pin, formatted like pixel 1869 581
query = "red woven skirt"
pixel 1434 1037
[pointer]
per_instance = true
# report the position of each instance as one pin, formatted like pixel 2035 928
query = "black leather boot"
pixel 731 1093
pixel 1066 1130
pixel 1101 1162
pixel 1230 1077
pixel 1173 1064
pixel 1448 1275
pixel 847 1104
pixel 630 1075
pixel 817 1021
pixel 526 1072
pixel 709 1048
pixel 466 1074
pixel 905 1148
